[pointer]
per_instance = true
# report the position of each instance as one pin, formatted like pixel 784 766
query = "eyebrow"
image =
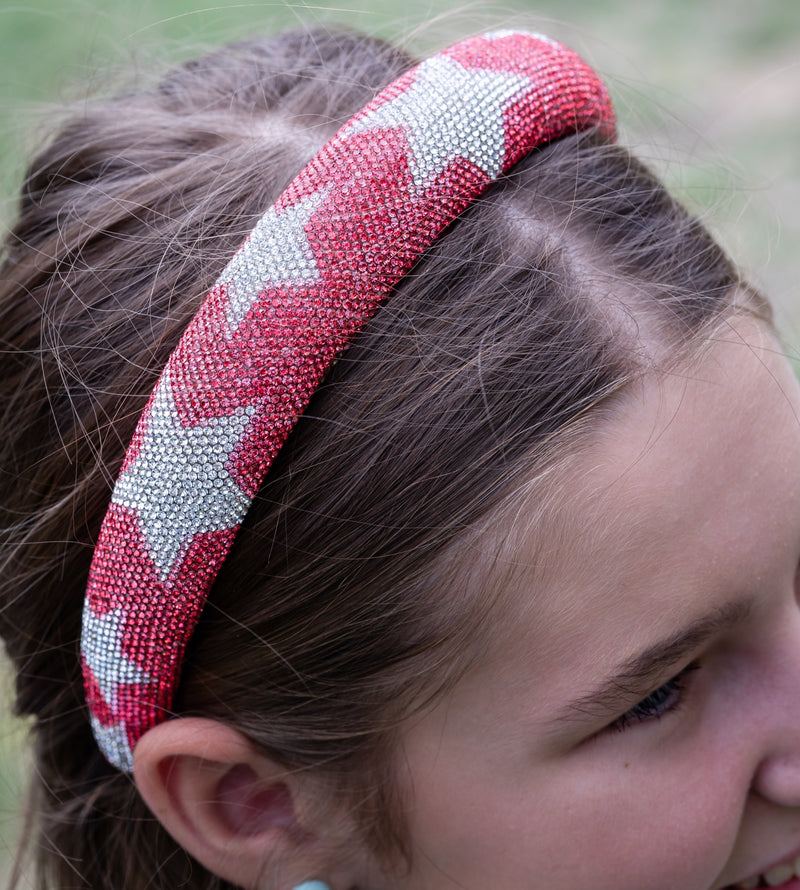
pixel 638 675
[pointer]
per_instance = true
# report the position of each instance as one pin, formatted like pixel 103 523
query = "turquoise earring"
pixel 313 885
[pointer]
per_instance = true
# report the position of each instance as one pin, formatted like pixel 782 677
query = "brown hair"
pixel 348 595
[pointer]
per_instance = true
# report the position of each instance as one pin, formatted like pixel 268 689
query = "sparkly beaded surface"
pixel 314 269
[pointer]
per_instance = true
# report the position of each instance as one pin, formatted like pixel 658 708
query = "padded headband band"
pixel 314 269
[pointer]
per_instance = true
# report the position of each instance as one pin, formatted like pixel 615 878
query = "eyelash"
pixel 664 700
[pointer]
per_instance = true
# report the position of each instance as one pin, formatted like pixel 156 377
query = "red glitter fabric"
pixel 314 269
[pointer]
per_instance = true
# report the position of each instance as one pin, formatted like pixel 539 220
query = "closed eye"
pixel 667 698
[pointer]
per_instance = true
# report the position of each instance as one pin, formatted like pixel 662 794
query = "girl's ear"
pixel 236 811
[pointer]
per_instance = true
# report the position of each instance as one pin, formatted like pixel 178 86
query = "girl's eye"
pixel 661 701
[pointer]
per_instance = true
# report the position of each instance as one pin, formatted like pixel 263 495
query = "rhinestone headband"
pixel 314 269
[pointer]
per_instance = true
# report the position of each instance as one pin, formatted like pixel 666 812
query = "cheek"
pixel 651 825
pixel 588 820
pixel 660 806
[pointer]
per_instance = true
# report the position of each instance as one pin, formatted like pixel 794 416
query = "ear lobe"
pixel 227 804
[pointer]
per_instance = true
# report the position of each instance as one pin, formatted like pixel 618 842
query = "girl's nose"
pixel 777 777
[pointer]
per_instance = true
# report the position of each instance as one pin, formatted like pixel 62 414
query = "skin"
pixel 552 764
pixel 689 507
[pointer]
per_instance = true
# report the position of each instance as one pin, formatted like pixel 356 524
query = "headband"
pixel 314 269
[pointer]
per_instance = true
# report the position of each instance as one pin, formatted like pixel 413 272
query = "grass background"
pixel 707 90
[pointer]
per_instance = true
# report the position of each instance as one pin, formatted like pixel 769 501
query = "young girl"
pixel 454 535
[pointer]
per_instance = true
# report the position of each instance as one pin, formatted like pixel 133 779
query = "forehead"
pixel 688 495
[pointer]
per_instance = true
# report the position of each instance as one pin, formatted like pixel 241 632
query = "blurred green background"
pixel 706 90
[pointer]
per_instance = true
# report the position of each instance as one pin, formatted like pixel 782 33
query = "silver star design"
pixel 449 111
pixel 113 742
pixel 178 484
pixel 102 650
pixel 276 251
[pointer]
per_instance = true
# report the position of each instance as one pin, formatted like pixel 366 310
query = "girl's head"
pixel 550 478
